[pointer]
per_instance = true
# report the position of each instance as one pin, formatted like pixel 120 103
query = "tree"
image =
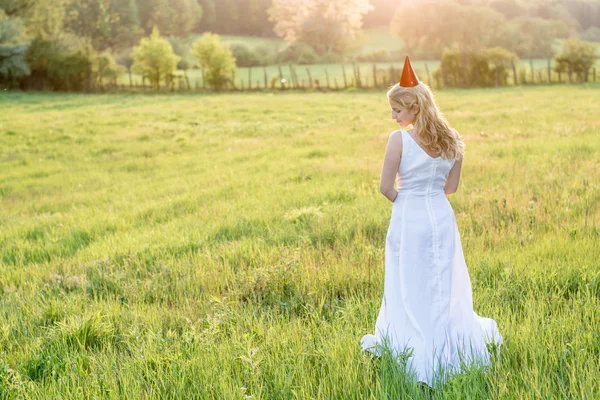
pixel 12 49
pixel 44 18
pixel 501 60
pixel 154 59
pixel 329 26
pixel 215 59
pixel 577 56
pixel 103 68
pixel 439 25
pixel 172 17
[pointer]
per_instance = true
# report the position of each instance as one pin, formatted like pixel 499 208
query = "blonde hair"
pixel 432 128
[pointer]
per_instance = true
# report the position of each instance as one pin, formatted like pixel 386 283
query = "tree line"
pixel 72 44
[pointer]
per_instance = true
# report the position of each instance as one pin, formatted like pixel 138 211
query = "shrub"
pixel 216 59
pixel 580 54
pixel 154 59
pixel 244 55
pixel 298 53
pixel 474 67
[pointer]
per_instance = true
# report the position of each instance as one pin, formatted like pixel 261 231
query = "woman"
pixel 427 302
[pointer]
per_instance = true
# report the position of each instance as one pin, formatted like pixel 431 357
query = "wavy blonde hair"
pixel 433 130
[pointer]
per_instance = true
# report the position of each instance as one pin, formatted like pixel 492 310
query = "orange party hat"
pixel 409 78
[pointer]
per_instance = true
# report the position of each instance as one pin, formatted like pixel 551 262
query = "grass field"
pixel 231 246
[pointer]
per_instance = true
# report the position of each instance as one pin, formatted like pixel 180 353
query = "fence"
pixel 347 76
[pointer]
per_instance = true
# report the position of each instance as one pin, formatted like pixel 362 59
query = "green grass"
pixel 223 246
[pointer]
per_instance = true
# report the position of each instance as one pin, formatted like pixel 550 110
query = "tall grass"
pixel 231 246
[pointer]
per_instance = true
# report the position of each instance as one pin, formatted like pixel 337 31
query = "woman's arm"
pixel 391 163
pixel 453 177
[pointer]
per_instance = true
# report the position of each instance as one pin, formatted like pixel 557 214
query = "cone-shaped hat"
pixel 409 78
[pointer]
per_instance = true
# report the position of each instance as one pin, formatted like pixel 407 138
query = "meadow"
pixel 231 246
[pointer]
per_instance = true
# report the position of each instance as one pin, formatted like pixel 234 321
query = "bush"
pixel 244 56
pixel 475 68
pixel 104 68
pixel 57 66
pixel 298 53
pixel 216 59
pixel 265 54
pixel 154 59
pixel 579 54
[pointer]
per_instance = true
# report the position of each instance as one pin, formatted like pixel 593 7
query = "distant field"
pixel 231 246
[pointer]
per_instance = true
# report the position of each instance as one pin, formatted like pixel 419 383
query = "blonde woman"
pixel 427 305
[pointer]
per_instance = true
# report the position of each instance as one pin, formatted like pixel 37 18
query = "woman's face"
pixel 402 115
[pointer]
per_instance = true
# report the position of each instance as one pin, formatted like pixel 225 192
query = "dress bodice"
pixel 419 173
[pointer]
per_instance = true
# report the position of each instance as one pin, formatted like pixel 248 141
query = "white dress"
pixel 427 301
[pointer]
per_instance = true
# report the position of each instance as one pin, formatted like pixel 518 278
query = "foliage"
pixel 298 53
pixel 328 26
pixel 592 34
pixel 216 60
pixel 69 70
pixel 154 59
pixel 172 17
pixel 245 56
pixel 59 64
pixel 462 68
pixel 438 25
pixel 108 23
pixel 579 54
pixel 45 18
pixel 104 68
pixel 12 49
pixel 12 30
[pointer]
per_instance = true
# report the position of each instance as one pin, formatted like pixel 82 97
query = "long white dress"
pixel 427 301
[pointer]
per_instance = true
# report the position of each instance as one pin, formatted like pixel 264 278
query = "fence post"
pixel 265 71
pixel 549 73
pixel 281 83
pixel 585 69
pixel 249 78
pixel 293 76
pixel 514 68
pixel 344 72
pixel 327 78
pixel 374 76
pixel 532 72
pixel 497 76
pixel 356 71
pixel 310 81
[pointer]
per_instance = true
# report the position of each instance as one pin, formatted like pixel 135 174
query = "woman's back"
pixel 419 173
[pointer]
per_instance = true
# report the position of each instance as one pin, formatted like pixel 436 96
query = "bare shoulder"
pixel 395 139
pixel 396 135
